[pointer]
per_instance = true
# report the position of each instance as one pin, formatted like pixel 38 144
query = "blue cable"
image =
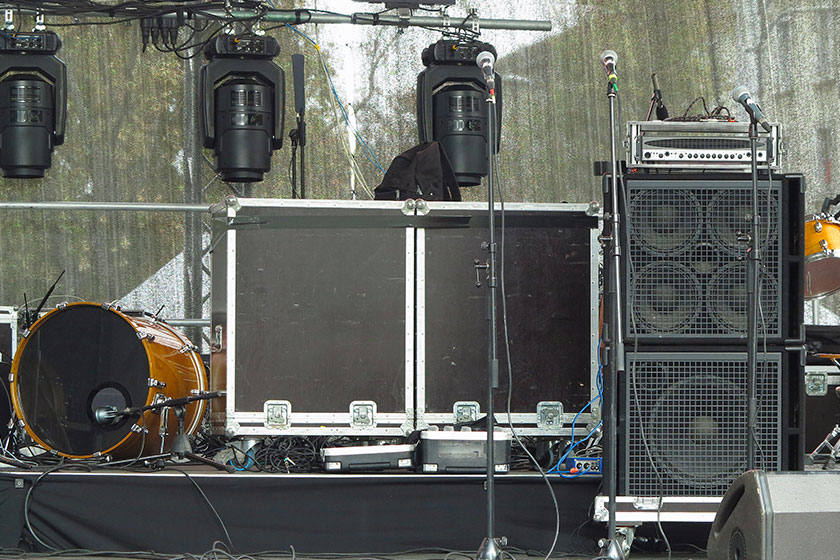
pixel 250 462
pixel 572 442
pixel 366 149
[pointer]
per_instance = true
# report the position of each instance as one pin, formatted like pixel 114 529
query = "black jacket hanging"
pixel 423 172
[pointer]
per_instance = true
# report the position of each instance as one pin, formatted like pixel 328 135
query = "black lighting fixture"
pixel 33 102
pixel 452 106
pixel 243 98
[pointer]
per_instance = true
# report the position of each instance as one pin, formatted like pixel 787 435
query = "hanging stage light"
pixel 33 102
pixel 243 100
pixel 452 107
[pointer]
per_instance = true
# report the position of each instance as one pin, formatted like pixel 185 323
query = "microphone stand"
pixel 610 547
pixel 181 447
pixel 752 297
pixel 298 138
pixel 301 133
pixel 490 548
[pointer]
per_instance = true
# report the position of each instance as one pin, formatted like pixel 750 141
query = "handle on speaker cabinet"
pixel 728 505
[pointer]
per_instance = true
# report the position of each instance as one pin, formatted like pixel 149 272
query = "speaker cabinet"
pixel 684 420
pixel 686 239
pixel 778 516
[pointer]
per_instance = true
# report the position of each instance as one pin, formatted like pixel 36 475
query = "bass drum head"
pixel 74 361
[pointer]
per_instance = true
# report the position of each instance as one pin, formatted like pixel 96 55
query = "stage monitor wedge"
pixel 778 516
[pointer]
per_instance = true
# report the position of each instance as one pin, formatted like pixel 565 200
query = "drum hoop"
pixel 13 386
pixel 827 254
pixel 825 295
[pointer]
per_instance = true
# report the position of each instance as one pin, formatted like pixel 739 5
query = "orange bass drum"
pixel 822 257
pixel 81 357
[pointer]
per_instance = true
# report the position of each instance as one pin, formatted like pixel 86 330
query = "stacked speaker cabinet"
pixel 682 402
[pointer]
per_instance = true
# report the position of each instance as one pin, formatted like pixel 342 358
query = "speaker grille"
pixel 692 410
pixel 686 264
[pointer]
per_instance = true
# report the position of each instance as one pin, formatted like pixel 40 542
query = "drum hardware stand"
pixel 30 318
pixel 611 547
pixel 832 449
pixel 14 462
pixel 181 447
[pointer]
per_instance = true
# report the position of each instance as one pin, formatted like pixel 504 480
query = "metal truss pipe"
pixel 454 22
pixel 468 22
pixel 112 206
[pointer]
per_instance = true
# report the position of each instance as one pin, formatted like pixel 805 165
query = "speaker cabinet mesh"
pixel 686 258
pixel 691 409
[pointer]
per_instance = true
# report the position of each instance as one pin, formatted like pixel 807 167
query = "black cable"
pixel 28 501
pixel 210 504
pixel 500 189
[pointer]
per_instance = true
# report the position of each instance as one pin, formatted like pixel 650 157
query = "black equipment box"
pixel 364 318
pixel 312 318
pixel 548 271
pixel 450 451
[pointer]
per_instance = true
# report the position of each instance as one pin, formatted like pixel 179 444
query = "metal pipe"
pixel 305 16
pixel 114 206
pixel 188 322
pixel 456 22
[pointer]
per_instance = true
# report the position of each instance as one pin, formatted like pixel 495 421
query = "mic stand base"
pixel 490 549
pixel 204 460
pixel 611 550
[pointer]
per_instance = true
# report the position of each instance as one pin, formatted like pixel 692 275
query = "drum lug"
pixel 137 429
pixel 62 306
pixel 217 338
pixel 145 336
pixel 156 383
pixel 25 333
pixel 188 348
pixel 818 227
pixel 824 245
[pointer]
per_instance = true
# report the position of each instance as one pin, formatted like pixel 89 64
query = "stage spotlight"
pixel 452 107
pixel 243 100
pixel 33 102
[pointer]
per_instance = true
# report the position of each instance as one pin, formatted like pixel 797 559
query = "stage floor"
pixel 182 510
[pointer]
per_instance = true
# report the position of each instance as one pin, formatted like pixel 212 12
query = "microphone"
pixel 485 61
pixel 609 59
pixel 661 110
pixel 107 415
pixel 742 96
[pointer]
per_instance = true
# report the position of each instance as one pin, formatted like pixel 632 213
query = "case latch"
pixel 278 414
pixel 466 411
pixel 550 415
pixel 816 384
pixel 363 414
